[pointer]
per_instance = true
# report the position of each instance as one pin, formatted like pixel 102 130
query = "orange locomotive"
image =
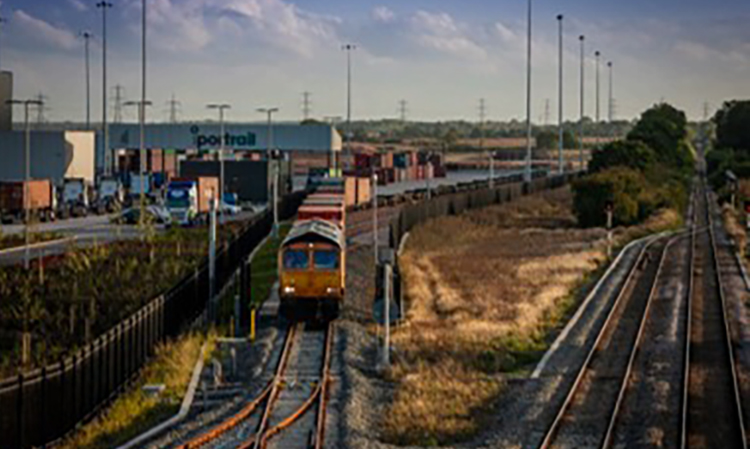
pixel 312 260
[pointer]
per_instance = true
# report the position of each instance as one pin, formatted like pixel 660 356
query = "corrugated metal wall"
pixel 6 93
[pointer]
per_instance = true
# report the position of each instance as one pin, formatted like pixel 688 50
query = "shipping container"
pixel 334 214
pixel 400 160
pixel 350 191
pixel 364 193
pixel 40 200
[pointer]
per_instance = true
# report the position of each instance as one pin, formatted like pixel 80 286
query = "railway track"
pixel 712 405
pixel 290 412
pixel 584 419
pixel 700 405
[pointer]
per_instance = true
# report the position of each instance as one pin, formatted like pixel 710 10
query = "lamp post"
pixel 583 91
pixel 375 216
pixel 560 145
pixel 222 141
pixel 597 56
pixel 27 173
pixel 274 167
pixel 2 21
pixel 104 6
pixel 610 107
pixel 142 153
pixel 527 175
pixel 347 138
pixel 87 37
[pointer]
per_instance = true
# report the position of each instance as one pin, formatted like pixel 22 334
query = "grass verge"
pixel 134 412
pixel 264 267
pixel 16 240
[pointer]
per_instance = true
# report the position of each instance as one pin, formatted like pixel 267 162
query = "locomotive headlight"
pixel 288 290
pixel 331 290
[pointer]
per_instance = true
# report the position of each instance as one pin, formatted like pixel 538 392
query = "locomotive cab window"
pixel 296 259
pixel 326 260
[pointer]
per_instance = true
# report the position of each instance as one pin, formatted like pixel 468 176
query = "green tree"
pixel 664 129
pixel 732 130
pixel 628 153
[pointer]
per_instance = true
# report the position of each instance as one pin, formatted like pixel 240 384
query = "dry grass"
pixel 734 227
pixel 480 304
pixel 134 412
pixel 483 292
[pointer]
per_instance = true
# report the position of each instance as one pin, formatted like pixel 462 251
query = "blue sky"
pixel 439 55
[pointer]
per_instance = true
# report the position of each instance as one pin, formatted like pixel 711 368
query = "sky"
pixel 441 56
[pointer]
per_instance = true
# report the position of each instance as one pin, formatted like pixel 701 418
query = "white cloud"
pixel 191 25
pixel 505 33
pixel 44 31
pixel 286 25
pixel 78 5
pixel 383 14
pixel 439 31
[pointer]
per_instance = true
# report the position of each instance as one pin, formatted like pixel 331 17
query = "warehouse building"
pixel 54 155
pixel 304 141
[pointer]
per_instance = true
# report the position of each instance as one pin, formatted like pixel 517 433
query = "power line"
pixel 42 98
pixel 402 108
pixel 119 99
pixel 546 112
pixel 306 105
pixel 175 107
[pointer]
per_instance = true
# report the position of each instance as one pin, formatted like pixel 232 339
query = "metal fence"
pixel 42 406
pixel 475 196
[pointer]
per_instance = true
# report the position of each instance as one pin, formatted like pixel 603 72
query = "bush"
pixel 623 187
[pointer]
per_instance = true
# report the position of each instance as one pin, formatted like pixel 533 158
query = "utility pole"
pixel 141 105
pixel 306 105
pixel 3 20
pixel 87 37
pixel 347 138
pixel 119 99
pixel 402 108
pixel 490 155
pixel 597 55
pixel 27 174
pixel 174 106
pixel 546 112
pixel 527 175
pixel 274 168
pixel 104 6
pixel 560 132
pixel 610 111
pixel 222 138
pixel 582 38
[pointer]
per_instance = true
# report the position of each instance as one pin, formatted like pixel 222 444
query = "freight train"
pixel 312 258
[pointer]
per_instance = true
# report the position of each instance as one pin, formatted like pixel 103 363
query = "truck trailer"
pixel 188 199
pixel 41 200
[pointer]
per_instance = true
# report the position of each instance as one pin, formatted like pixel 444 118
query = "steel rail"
pixel 553 429
pixel 688 327
pixel 318 394
pixel 609 435
pixel 725 318
pixel 233 421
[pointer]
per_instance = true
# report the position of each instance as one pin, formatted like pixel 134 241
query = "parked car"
pixel 158 214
